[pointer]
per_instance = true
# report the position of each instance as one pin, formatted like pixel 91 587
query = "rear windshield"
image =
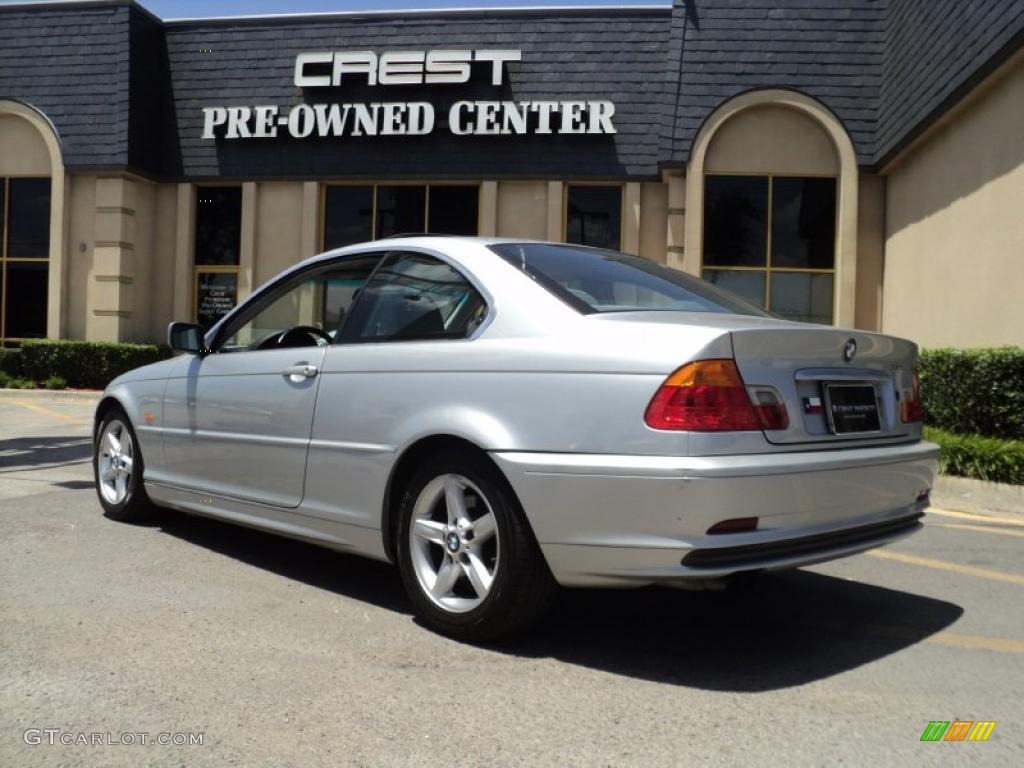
pixel 593 280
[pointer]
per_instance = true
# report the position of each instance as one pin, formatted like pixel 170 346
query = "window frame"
pixel 567 186
pixel 374 186
pixel 271 292
pixel 5 233
pixel 485 295
pixel 768 269
pixel 256 302
pixel 198 269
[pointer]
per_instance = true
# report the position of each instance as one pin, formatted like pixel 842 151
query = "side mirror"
pixel 185 337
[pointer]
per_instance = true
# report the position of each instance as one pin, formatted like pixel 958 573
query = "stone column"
pixel 111 287
pixel 676 237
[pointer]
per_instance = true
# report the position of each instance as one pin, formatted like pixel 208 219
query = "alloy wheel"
pixel 115 462
pixel 454 543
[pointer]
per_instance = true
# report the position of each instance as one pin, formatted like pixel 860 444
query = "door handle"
pixel 300 371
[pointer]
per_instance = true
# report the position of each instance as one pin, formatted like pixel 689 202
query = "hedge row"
pixel 982 458
pixel 974 391
pixel 10 362
pixel 87 364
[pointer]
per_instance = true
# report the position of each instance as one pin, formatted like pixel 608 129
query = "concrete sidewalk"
pixel 53 395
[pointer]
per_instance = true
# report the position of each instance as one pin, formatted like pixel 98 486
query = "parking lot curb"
pixel 965 495
pixel 53 395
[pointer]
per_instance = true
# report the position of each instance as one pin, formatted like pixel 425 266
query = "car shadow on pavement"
pixel 25 453
pixel 781 630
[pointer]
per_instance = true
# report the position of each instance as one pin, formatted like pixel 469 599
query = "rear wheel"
pixel 468 560
pixel 117 468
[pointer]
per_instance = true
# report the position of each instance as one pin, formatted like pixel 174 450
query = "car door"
pixel 238 420
pixel 411 312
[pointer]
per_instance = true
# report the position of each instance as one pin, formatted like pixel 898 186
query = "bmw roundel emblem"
pixel 850 349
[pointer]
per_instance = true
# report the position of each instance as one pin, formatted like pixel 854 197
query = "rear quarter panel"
pixel 566 395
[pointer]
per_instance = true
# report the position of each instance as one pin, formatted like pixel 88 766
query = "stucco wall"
pixel 771 139
pixel 653 221
pixel 278 229
pixel 81 204
pixel 954 259
pixel 522 209
pixel 22 150
pixel 870 247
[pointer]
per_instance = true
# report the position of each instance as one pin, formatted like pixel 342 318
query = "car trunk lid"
pixel 838 385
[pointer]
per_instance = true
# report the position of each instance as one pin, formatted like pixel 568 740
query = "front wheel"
pixel 117 468
pixel 468 560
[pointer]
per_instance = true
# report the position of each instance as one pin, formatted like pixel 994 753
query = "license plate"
pixel 851 408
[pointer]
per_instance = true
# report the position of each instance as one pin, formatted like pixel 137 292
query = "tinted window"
pixel 606 281
pixel 735 221
pixel 594 216
pixel 412 296
pixel 218 225
pixel 348 216
pixel 320 299
pixel 28 219
pixel 401 210
pixel 750 284
pixel 25 306
pixel 804 296
pixel 803 223
pixel 453 210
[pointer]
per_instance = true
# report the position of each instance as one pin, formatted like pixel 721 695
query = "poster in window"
pixel 216 296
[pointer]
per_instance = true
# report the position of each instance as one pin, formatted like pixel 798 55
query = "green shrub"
pixel 89 364
pixel 982 458
pixel 14 382
pixel 55 382
pixel 974 391
pixel 10 361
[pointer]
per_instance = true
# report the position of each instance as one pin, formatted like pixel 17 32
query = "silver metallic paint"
pixel 556 398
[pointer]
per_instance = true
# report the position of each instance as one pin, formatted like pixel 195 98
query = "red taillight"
pixel 910 403
pixel 710 396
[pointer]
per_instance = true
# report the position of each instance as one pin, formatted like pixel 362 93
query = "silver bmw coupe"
pixel 499 417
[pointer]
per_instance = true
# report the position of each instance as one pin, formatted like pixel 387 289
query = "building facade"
pixel 856 162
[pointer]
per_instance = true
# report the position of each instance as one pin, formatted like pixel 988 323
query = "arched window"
pixel 26 216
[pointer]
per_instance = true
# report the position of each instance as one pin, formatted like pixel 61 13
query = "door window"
pixel 415 297
pixel 308 310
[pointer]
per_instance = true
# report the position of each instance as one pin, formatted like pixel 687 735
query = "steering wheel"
pixel 293 336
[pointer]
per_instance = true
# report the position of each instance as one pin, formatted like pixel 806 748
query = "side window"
pixel 415 297
pixel 307 311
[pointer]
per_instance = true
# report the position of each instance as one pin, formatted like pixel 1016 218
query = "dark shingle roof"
pixel 937 50
pixel 72 65
pixel 616 55
pixel 829 49
pixel 126 90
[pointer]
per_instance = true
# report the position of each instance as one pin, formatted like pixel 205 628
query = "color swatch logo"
pixel 958 730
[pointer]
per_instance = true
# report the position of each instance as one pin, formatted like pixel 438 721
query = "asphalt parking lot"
pixel 280 653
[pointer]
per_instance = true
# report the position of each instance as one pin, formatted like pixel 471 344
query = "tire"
pixel 118 473
pixel 446 549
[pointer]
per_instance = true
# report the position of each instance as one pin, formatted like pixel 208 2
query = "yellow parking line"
pixel 977 642
pixel 977 518
pixel 981 528
pixel 954 639
pixel 942 565
pixel 49 412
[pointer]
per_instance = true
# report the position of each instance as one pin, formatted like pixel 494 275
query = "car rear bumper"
pixel 629 520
